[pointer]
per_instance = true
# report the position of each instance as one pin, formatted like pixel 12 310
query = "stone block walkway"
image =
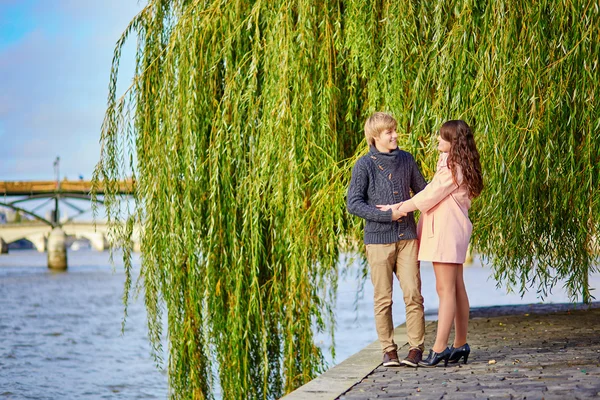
pixel 539 351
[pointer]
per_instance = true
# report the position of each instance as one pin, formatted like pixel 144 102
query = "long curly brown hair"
pixel 463 153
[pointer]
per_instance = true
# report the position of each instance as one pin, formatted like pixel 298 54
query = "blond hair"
pixel 377 123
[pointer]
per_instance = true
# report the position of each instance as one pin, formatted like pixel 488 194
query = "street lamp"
pixel 57 177
pixel 57 171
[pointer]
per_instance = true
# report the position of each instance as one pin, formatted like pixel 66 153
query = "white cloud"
pixel 54 87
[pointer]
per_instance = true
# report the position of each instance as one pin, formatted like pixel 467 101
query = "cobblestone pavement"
pixel 517 352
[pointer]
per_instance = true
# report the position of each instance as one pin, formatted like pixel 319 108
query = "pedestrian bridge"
pixel 37 233
pixel 50 233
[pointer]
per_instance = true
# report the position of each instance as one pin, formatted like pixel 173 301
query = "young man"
pixel 385 176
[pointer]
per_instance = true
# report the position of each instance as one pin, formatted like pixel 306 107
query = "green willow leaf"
pixel 245 118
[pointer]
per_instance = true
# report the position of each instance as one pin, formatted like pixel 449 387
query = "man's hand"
pixel 396 215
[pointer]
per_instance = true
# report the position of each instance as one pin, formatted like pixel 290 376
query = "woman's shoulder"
pixel 442 160
pixel 443 168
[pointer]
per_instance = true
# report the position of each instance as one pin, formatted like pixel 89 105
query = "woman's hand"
pixel 389 207
pixel 384 207
pixel 396 214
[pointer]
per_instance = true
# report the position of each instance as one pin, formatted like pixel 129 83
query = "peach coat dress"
pixel 444 228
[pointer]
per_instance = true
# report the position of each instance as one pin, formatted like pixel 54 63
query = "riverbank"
pixel 535 351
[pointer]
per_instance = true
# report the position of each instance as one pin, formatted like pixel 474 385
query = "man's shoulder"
pixel 405 156
pixel 363 161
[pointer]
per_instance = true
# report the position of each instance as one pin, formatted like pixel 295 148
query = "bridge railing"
pixel 24 188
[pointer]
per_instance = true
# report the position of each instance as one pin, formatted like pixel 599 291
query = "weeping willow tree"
pixel 242 124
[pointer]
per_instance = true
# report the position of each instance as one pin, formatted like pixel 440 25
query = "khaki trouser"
pixel 398 258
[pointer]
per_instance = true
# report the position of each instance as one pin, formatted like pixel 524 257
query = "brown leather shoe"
pixel 390 359
pixel 413 358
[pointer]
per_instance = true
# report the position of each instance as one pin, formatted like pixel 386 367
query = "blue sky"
pixel 55 59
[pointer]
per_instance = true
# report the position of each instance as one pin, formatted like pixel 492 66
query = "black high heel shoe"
pixel 456 353
pixel 435 358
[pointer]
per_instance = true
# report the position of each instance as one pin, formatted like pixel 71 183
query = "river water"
pixel 61 332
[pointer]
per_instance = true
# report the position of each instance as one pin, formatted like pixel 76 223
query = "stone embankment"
pixel 538 351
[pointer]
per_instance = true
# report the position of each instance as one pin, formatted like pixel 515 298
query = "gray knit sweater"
pixel 384 178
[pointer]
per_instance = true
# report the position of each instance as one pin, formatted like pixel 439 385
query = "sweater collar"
pixel 385 161
pixel 384 158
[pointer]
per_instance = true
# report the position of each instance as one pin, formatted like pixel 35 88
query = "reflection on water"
pixel 61 332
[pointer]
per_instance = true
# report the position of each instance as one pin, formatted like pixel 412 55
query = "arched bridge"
pixel 37 233
pixel 48 233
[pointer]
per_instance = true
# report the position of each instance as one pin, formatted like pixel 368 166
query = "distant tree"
pixel 243 121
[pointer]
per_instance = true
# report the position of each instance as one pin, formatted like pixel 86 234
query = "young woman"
pixel 444 232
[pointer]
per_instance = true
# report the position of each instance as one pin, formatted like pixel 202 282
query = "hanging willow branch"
pixel 245 117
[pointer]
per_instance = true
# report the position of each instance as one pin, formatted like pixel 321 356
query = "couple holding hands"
pixel 380 192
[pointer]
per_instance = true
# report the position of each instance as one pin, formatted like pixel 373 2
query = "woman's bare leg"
pixel 445 283
pixel 461 318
